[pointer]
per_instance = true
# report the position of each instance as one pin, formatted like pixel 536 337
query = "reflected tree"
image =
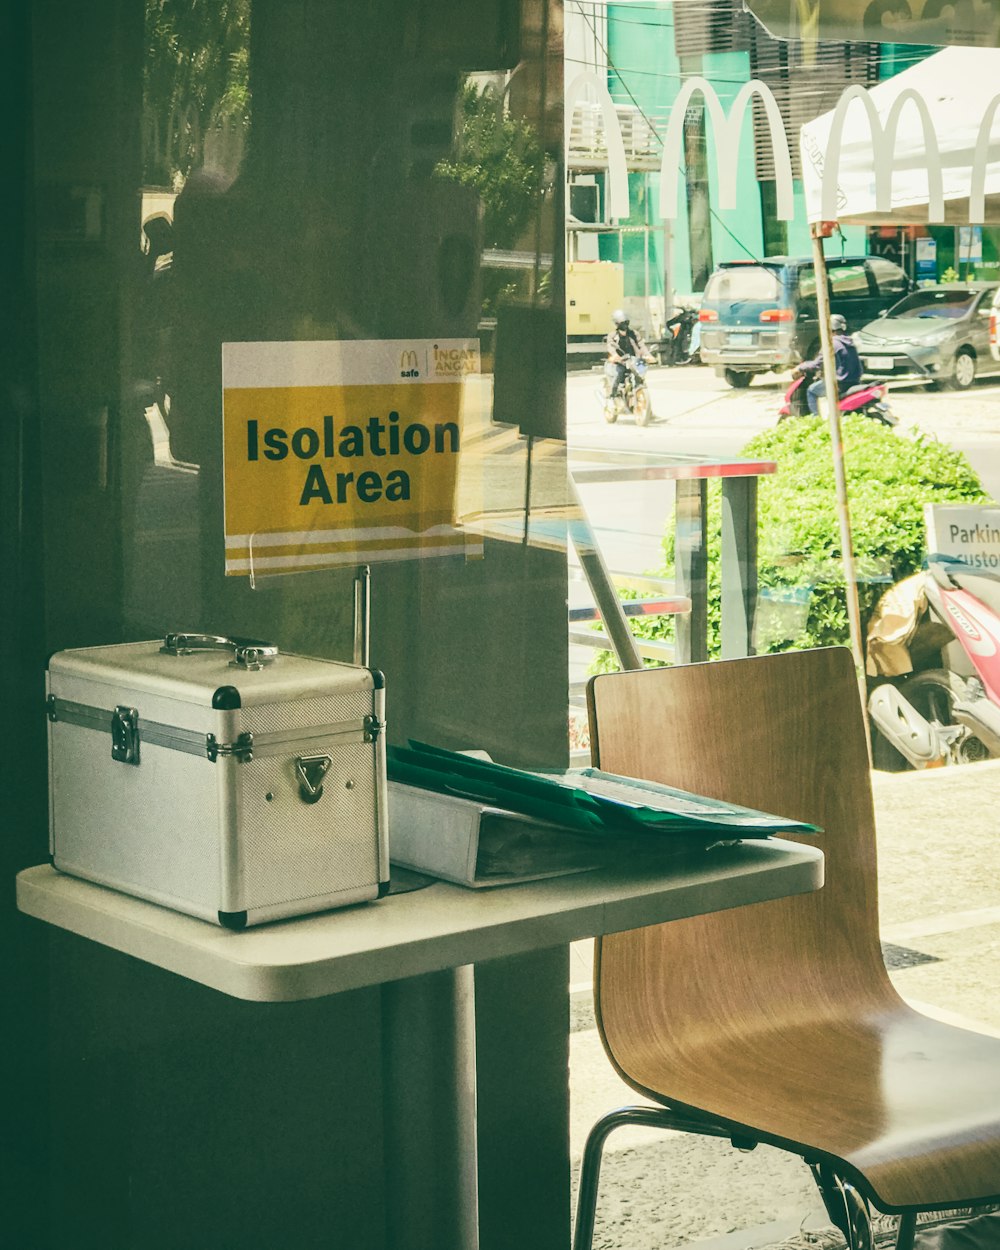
pixel 195 83
pixel 501 157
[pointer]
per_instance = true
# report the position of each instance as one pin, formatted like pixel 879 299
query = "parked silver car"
pixel 939 332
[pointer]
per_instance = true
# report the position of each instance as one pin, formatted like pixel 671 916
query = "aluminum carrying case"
pixel 218 776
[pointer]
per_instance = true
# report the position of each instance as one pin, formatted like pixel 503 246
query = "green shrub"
pixel 889 479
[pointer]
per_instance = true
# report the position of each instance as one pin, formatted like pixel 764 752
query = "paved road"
pixel 694 411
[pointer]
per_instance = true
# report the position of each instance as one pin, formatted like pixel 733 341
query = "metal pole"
pixel 526 533
pixel 645 255
pixel 691 567
pixel 362 614
pixel 602 587
pixel 739 565
pixel 832 404
pixel 429 1082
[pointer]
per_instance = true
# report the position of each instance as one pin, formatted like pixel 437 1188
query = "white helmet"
pixel 620 317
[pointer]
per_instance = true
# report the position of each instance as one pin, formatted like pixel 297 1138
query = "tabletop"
pixel 427 930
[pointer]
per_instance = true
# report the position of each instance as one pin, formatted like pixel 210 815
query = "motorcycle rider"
pixel 679 338
pixel 847 364
pixel 623 342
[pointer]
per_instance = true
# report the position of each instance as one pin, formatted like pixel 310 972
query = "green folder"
pixel 583 798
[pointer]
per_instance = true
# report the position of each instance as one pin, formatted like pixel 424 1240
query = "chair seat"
pixel 907 1103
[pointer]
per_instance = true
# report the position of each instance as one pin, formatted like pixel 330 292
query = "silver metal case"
pixel 218 777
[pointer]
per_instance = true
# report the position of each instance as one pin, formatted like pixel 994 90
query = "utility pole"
pixel 832 404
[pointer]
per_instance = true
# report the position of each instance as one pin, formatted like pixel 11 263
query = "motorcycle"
pixel 934 654
pixel 681 344
pixel 633 394
pixel 867 398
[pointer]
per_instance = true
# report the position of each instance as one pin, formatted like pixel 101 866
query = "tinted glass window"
pixel 935 304
pixel 849 282
pixel 890 278
pixel 750 282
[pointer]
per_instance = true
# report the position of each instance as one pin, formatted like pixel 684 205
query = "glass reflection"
pixel 259 175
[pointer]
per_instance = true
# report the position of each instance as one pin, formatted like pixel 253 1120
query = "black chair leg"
pixel 593 1151
pixel 845 1206
pixel 906 1234
pixel 590 1176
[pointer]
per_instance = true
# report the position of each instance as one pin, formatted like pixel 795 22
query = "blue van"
pixel 758 316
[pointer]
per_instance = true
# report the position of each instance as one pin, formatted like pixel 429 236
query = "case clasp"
pixel 125 735
pixel 241 749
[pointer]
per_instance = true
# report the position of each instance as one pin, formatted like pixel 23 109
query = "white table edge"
pixel 404 935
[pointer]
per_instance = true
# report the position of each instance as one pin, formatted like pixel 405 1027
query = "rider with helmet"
pixel 623 342
pixel 847 364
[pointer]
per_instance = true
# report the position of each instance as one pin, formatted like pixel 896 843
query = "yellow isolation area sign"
pixel 347 452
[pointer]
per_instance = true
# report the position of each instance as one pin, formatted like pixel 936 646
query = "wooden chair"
pixel 776 1022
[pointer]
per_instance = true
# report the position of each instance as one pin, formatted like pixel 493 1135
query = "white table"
pixel 422 947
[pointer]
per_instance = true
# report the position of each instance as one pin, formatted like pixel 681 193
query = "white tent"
pixel 916 148
pixel 933 155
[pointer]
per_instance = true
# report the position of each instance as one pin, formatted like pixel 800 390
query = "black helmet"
pixel 838 324
pixel 620 317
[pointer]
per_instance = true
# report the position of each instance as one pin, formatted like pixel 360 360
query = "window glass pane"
pixel 890 278
pixel 848 280
pixel 775 139
pixel 751 282
pixel 249 173
pixel 951 303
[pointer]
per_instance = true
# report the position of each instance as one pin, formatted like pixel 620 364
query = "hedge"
pixel 890 477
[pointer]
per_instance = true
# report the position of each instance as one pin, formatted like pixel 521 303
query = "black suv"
pixel 761 315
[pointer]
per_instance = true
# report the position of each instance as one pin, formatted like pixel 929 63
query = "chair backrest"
pixel 784 734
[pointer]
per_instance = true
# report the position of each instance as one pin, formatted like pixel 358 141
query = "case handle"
pixel 248 653
pixel 311 770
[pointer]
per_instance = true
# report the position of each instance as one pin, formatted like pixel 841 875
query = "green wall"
pixel 644 70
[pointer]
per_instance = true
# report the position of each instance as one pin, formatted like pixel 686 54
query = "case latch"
pixel 125 735
pixel 241 750
pixel 311 770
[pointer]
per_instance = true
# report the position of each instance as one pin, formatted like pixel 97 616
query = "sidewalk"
pixel 939 878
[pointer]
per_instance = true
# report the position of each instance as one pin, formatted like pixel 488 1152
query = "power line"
pixel 642 113
pixel 652 73
pixel 899 57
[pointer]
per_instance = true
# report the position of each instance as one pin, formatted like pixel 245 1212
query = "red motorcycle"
pixel 867 398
